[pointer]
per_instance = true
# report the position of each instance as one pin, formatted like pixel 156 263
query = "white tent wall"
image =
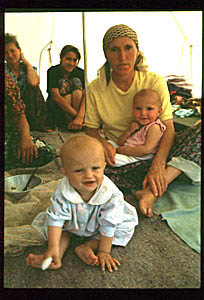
pixel 164 37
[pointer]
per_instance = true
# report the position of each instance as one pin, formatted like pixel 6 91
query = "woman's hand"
pixel 32 77
pixel 27 149
pixel 76 124
pixel 156 179
pixel 24 60
pixel 110 152
pixel 106 260
pixel 156 176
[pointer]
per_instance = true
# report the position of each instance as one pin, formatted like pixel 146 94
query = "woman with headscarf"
pixel 109 104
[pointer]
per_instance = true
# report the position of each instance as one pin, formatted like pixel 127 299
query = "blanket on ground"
pixel 180 207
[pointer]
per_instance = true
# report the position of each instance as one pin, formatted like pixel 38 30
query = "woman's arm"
pixel 26 147
pixel 78 122
pixel 32 77
pixel 81 111
pixel 62 102
pixel 156 175
pixel 152 139
pixel 109 150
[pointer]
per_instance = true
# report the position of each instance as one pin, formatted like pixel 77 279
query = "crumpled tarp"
pixel 18 216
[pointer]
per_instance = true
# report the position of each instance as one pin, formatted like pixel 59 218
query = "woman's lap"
pixel 187 145
pixel 36 110
pixel 126 177
pixel 56 116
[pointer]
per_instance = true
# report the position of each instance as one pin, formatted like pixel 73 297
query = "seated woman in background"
pixel 65 87
pixel 21 149
pixel 26 78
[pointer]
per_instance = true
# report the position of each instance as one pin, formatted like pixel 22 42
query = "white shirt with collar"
pixel 106 213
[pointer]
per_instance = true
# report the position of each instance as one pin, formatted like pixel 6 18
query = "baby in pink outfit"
pixel 141 140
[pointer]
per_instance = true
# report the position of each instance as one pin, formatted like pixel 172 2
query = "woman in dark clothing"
pixel 65 86
pixel 26 78
pixel 21 149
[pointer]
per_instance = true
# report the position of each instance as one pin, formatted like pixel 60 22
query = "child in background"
pixel 86 204
pixel 141 140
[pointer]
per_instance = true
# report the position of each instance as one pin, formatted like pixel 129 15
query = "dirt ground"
pixel 154 258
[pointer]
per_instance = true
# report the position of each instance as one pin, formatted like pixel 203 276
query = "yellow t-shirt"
pixel 113 107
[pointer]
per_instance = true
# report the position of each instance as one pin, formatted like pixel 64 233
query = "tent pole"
pixel 85 53
pixel 191 53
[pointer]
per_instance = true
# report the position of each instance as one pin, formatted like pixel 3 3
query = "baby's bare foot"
pixel 86 254
pixel 139 194
pixel 36 260
pixel 146 202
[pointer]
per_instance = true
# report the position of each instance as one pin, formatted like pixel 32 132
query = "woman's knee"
pixel 76 98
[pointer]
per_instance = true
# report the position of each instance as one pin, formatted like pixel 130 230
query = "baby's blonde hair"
pixel 146 92
pixel 82 142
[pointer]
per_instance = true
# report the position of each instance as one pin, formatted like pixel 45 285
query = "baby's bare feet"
pixel 86 254
pixel 146 202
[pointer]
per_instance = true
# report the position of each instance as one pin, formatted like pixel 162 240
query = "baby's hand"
pixel 122 150
pixel 107 260
pixel 55 262
pixel 46 263
pixel 134 126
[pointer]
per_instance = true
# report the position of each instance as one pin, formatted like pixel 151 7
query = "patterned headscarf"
pixel 112 33
pixel 118 31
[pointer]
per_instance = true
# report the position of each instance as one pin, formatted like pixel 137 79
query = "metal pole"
pixel 84 45
pixel 191 62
